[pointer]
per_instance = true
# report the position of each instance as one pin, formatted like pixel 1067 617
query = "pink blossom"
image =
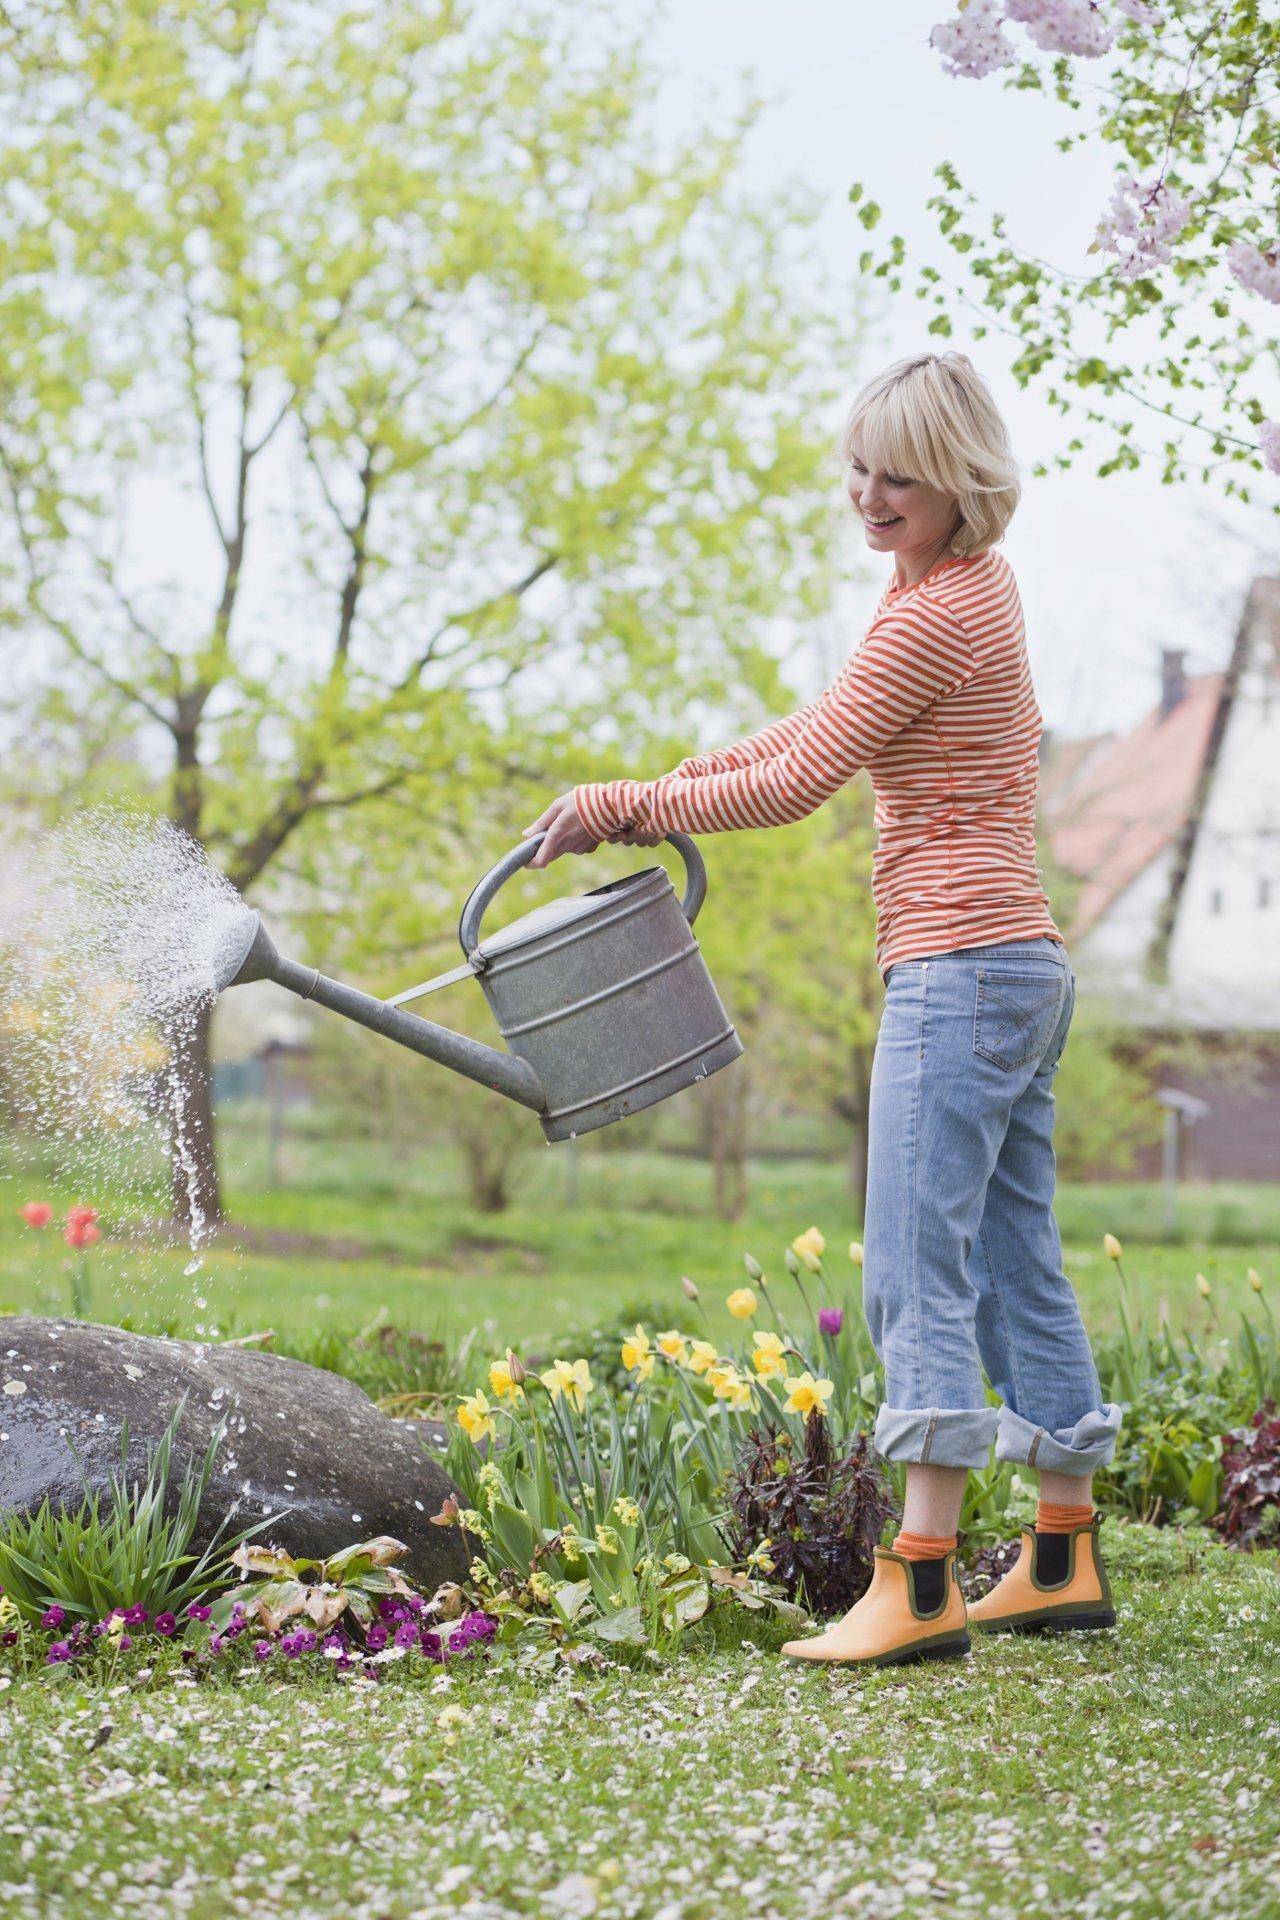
pixel 1063 26
pixel 1256 270
pixel 37 1213
pixel 1142 219
pixel 973 44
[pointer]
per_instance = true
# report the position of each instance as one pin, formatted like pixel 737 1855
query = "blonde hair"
pixel 932 417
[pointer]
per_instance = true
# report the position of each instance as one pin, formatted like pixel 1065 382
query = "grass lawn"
pixel 1129 1774
pixel 350 1232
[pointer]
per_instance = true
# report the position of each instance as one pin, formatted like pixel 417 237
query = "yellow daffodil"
pixel 1254 1278
pixel 760 1559
pixel 636 1354
pixel 502 1381
pixel 572 1379
pixel 742 1303
pixel 1203 1285
pixel 808 1395
pixel 626 1511
pixel 671 1345
pixel 769 1358
pixel 728 1384
pixel 701 1356
pixel 1111 1246
pixel 809 1246
pixel 856 1253
pixel 739 1395
pixel 475 1417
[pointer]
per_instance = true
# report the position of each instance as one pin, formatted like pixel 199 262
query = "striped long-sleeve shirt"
pixel 938 705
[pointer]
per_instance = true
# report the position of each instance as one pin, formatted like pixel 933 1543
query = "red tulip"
pixel 82 1217
pixel 81 1234
pixel 37 1213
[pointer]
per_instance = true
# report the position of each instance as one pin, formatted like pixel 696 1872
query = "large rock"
pixel 296 1438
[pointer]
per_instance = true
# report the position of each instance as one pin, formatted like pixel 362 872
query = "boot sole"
pixel 915 1656
pixel 1053 1623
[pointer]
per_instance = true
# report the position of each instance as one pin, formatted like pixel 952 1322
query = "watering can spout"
pixel 254 956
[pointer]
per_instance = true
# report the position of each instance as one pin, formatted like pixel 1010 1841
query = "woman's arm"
pixel 907 661
pixel 743 753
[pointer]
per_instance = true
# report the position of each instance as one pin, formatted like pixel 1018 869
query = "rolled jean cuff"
pixel 936 1436
pixel 1080 1449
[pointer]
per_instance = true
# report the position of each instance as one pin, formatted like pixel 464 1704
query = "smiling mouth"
pixel 880 525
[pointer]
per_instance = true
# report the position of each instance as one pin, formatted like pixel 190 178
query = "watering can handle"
pixel 484 890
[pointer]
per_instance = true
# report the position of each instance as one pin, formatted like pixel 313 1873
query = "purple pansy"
pixel 54 1617
pixel 165 1624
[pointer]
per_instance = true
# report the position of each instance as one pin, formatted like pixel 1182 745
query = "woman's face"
pixel 900 513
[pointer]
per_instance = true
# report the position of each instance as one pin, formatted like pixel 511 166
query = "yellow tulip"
pixel 809 1246
pixel 1111 1246
pixel 1204 1287
pixel 672 1347
pixel 636 1354
pixel 475 1417
pixel 769 1358
pixel 503 1381
pixel 855 1252
pixel 701 1356
pixel 573 1381
pixel 742 1303
pixel 1254 1278
pixel 808 1395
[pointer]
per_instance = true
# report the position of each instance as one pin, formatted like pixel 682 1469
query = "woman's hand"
pixel 564 830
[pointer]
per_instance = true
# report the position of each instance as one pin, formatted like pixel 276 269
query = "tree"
pixel 1189 246
pixel 485 398
pixel 789 936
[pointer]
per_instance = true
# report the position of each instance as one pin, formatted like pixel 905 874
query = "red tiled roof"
pixel 1109 812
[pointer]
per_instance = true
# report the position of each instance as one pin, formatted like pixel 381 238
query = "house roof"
pixel 1111 803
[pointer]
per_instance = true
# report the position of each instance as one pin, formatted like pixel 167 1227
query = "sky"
pixel 1110 570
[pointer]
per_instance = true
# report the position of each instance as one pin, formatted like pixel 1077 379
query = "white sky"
pixel 1109 569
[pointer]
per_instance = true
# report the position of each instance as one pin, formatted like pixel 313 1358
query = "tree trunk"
pixel 197 1191
pixel 726 1096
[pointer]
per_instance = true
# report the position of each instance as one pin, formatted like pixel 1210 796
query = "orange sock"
pixel 1055 1519
pixel 920 1546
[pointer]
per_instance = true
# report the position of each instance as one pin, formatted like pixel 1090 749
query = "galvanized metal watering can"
pixel 604 997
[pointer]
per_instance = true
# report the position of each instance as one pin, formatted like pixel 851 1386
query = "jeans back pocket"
pixel 1016 1014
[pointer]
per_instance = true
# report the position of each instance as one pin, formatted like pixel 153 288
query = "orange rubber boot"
pixel 886 1628
pixel 1022 1602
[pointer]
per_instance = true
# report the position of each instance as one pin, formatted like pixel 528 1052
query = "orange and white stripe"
pixel 937 704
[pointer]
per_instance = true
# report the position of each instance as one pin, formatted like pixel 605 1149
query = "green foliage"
pixel 280 1586
pixel 129 1547
pixel 1167 1467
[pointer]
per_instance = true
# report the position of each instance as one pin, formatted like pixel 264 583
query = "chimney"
pixel 1173 680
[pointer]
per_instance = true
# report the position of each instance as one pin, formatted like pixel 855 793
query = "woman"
pixel 963 1262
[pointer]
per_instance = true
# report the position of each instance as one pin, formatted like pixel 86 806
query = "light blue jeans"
pixel 963 1261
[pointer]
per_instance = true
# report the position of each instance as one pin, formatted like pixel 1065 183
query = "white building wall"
pixel 1224 957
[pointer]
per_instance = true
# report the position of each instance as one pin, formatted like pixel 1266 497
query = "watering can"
pixel 603 998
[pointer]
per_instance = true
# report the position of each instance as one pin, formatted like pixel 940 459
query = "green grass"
pixel 356 1228
pixel 1126 1776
